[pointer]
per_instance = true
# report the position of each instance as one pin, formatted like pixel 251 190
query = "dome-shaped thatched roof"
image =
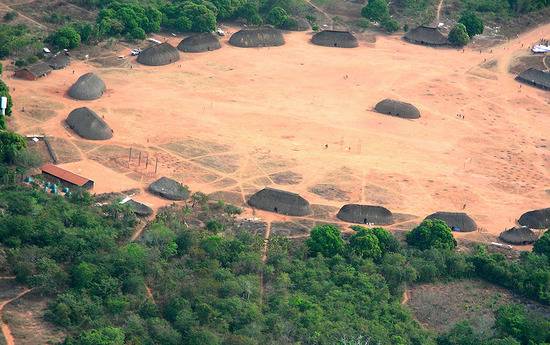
pixel 426 35
pixel 203 42
pixel 333 38
pixel 397 108
pixel 535 77
pixel 536 219
pixel 519 235
pixel 88 87
pixel 297 24
pixel 59 61
pixel 280 201
pixel 86 123
pixel 261 36
pixel 169 189
pixel 159 55
pixel 365 214
pixel 139 209
pixel 458 221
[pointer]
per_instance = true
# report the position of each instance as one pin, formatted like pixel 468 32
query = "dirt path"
pixel 323 12
pixel 5 327
pixel 139 230
pixel 406 297
pixel 438 15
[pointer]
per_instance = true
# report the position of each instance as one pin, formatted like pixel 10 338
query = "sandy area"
pixel 237 120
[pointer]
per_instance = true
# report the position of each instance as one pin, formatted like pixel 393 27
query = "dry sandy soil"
pixel 236 120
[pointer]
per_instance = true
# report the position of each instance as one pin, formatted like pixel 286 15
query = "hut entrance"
pixel 365 221
pixel 336 44
pixel 275 210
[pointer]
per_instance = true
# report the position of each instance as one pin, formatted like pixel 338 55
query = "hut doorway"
pixel 275 210
pixel 365 221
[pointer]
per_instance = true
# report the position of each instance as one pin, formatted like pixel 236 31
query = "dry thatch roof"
pixel 333 38
pixel 397 108
pixel 458 221
pixel 86 123
pixel 59 61
pixel 38 69
pixel 139 209
pixel 536 219
pixel 280 201
pixel 158 55
pixel 365 214
pixel 88 87
pixel 519 235
pixel 203 42
pixel 261 36
pixel 426 35
pixel 169 189
pixel 535 77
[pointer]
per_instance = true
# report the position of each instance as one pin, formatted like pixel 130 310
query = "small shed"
pixel 66 178
pixel 33 72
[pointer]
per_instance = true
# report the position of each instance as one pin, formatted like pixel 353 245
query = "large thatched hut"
pixel 169 189
pixel 519 235
pixel 280 201
pixel 333 38
pixel 159 55
pixel 535 77
pixel 397 108
pixel 458 221
pixel 260 36
pixel 198 43
pixel 536 219
pixel 86 123
pixel 59 61
pixel 426 35
pixel 365 214
pixel 88 87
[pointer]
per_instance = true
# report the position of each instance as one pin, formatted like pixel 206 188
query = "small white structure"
pixel 150 39
pixel 4 104
pixel 541 48
pixel 46 50
pixel 220 32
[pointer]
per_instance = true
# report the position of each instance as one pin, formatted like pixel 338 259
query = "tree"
pixel 5 92
pixel 326 240
pixel 249 11
pixel 10 144
pixel 376 10
pixel 101 336
pixel 542 245
pixel 459 36
pixel 277 17
pixel 472 22
pixel 390 25
pixel 431 233
pixel 65 38
pixel 365 244
pixel 461 334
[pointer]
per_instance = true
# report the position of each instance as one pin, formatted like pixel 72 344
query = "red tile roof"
pixel 64 175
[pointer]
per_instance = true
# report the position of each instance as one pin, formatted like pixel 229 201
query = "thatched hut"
pixel 140 209
pixel 426 35
pixel 365 214
pixel 519 235
pixel 535 77
pixel 458 221
pixel 88 87
pixel 169 189
pixel 33 72
pixel 536 219
pixel 280 201
pixel 260 36
pixel 203 42
pixel 333 38
pixel 159 55
pixel 59 61
pixel 86 123
pixel 397 108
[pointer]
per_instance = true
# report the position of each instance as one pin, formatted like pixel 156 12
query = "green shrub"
pixel 376 10
pixel 326 240
pixel 472 23
pixel 10 15
pixel 431 233
pixel 390 25
pixel 277 17
pixel 542 245
pixel 458 36
pixel 65 38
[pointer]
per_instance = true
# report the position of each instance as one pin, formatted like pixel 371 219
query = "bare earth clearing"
pixel 236 120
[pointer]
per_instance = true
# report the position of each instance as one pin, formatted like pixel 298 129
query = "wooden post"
pixel 156 164
pixel 130 157
pixel 139 159
pixel 146 162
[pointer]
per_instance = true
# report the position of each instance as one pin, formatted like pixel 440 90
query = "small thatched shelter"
pixel 333 38
pixel 159 55
pixel 169 189
pixel 536 219
pixel 203 42
pixel 88 87
pixel 535 77
pixel 365 214
pixel 141 210
pixel 426 35
pixel 519 235
pixel 458 221
pixel 59 61
pixel 260 36
pixel 397 108
pixel 280 201
pixel 86 123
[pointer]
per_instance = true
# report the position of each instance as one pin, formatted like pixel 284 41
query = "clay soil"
pixel 236 120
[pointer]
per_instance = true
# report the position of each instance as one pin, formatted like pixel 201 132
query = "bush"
pixel 376 10
pixel 65 38
pixel 431 233
pixel 459 36
pixel 472 23
pixel 364 243
pixel 542 245
pixel 326 240
pixel 390 25
pixel 277 17
pixel 10 145
pixel 9 16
